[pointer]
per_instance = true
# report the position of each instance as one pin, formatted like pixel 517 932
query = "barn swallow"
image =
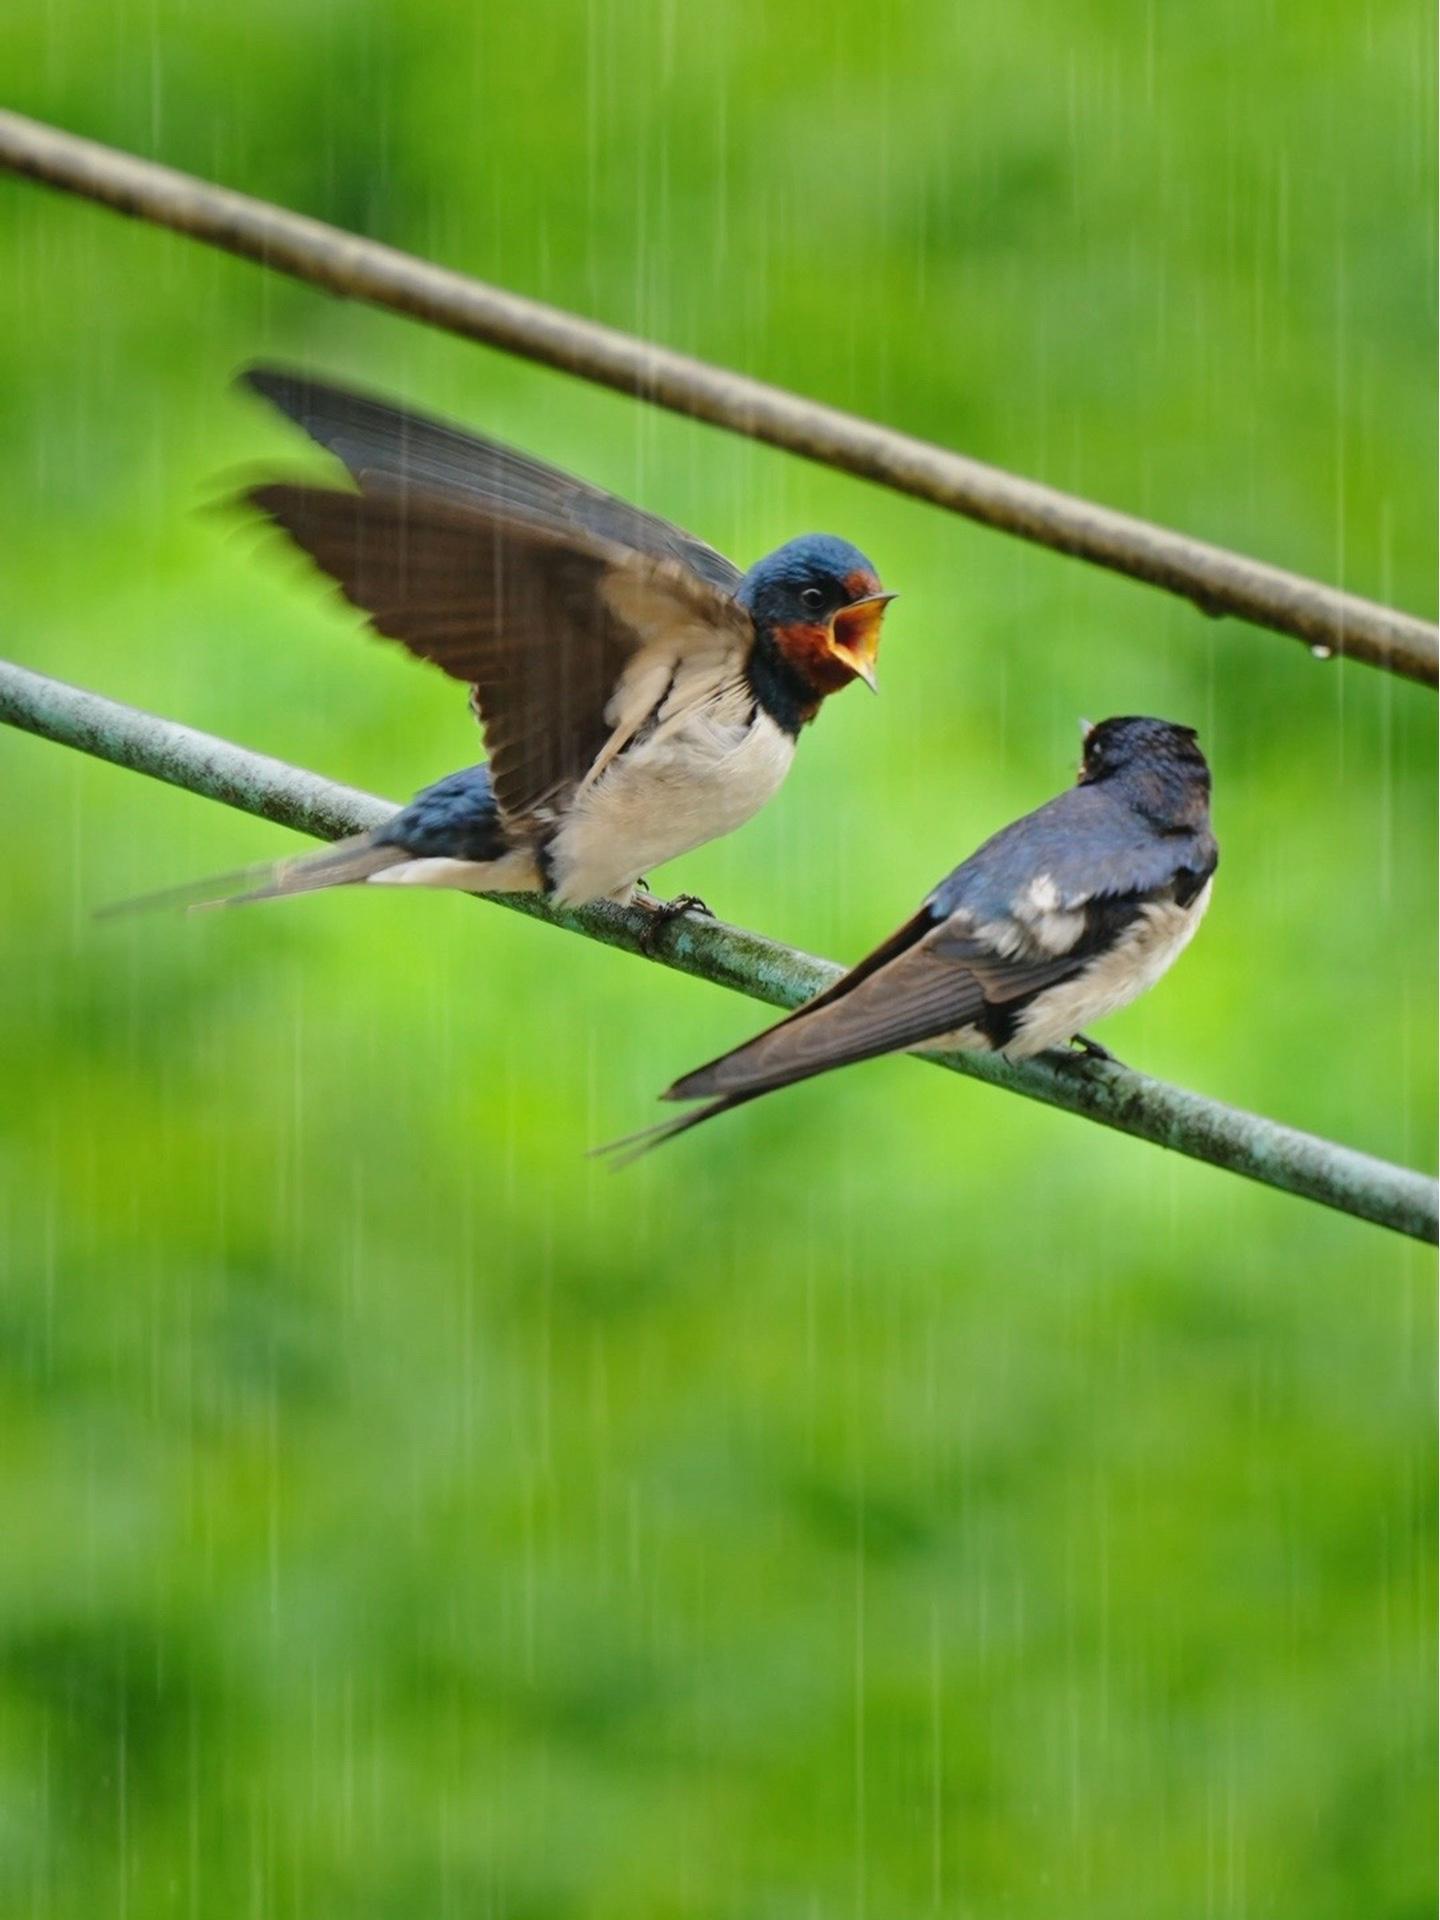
pixel 1066 915
pixel 639 694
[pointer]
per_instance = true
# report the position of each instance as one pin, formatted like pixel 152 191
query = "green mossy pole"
pixel 1330 622
pixel 1188 1123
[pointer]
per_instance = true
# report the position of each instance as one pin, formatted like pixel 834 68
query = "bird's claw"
pixel 688 903
pixel 663 912
pixel 1088 1049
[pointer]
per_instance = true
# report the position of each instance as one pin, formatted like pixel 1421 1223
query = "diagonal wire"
pixel 1331 622
pixel 1203 1129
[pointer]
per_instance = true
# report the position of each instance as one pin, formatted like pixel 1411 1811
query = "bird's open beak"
pixel 857 634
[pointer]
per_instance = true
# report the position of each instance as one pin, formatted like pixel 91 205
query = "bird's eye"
pixel 812 597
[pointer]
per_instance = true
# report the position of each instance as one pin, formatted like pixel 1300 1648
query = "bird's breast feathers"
pixel 703 762
pixel 1148 948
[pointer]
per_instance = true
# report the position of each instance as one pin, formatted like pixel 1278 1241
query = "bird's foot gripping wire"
pixel 662 913
pixel 1088 1049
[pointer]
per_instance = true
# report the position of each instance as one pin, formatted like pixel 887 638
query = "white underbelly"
pixel 657 801
pixel 1149 949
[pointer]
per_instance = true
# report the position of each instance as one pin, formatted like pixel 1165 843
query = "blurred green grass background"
pixel 896 1499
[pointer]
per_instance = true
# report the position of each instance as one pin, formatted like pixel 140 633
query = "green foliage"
pixel 896 1499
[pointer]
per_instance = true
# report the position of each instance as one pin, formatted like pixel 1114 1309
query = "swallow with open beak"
pixel 639 694
pixel 1065 916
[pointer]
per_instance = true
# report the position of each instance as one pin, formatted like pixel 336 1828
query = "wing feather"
pixel 902 994
pixel 382 443
pixel 523 612
pixel 1029 911
pixel 927 980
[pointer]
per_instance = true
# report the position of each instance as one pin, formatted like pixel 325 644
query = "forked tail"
pixel 455 819
pixel 345 864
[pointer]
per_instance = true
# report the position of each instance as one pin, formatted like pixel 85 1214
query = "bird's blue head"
pixel 1154 765
pixel 820 602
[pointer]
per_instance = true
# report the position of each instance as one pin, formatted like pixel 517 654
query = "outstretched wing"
pixel 568 640
pixel 393 445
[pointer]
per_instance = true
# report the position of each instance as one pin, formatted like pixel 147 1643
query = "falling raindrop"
pixel 910 1501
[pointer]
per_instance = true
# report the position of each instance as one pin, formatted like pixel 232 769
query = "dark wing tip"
pixel 274 383
pixel 300 396
pixel 694 1086
pixel 631 1147
pixel 268 495
pixel 284 504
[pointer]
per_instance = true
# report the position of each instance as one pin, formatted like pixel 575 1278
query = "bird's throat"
pixel 783 682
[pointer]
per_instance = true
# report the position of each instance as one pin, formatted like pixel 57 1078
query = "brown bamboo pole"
pixel 1330 622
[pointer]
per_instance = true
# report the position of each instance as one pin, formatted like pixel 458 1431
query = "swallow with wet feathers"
pixel 639 695
pixel 1061 918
